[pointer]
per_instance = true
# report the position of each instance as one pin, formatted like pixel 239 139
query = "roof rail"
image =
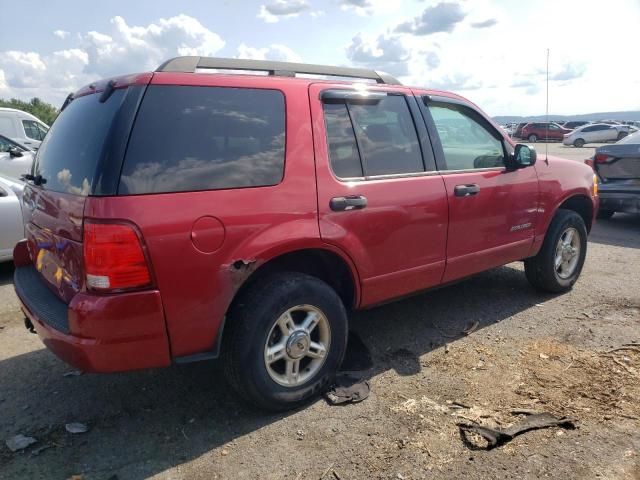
pixel 190 64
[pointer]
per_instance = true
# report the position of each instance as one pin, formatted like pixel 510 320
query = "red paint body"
pixel 544 133
pixel 413 235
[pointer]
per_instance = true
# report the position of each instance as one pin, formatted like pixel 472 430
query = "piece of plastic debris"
pixel 19 442
pixel 76 427
pixel 544 357
pixel 347 389
pixel 73 373
pixel 471 328
pixel 499 436
pixel 300 434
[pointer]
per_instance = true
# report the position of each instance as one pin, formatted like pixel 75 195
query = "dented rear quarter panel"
pixel 259 224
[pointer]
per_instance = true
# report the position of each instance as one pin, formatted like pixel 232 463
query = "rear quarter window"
pixel 189 138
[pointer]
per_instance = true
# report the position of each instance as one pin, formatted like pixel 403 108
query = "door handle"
pixel 351 202
pixel 466 190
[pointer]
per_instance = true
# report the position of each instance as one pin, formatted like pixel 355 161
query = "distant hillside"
pixel 620 116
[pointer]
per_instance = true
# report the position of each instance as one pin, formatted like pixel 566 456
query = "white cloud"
pixel 61 34
pixel 122 49
pixel 275 52
pixel 279 9
pixel 369 7
pixel 442 17
pixel 384 52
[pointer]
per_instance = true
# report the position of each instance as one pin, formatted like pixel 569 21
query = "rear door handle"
pixel 466 190
pixel 351 202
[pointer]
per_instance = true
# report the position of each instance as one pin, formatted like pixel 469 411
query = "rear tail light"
pixel 589 161
pixel 602 158
pixel 113 257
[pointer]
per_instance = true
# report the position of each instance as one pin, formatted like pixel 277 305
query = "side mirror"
pixel 523 156
pixel 14 152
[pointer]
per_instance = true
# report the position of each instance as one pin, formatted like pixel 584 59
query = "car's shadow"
pixel 180 413
pixel 621 230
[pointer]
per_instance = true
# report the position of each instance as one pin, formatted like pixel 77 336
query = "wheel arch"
pixel 582 205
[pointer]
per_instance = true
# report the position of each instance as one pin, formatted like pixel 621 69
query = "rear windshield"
pixel 205 138
pixel 68 157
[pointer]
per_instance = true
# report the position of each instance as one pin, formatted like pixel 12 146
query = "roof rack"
pixel 190 64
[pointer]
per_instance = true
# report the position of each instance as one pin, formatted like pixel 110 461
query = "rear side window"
pixel 376 138
pixel 33 130
pixel 68 157
pixel 205 138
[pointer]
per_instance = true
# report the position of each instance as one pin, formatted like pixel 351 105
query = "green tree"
pixel 43 110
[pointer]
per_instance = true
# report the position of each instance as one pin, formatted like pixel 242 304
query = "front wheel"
pixel 559 262
pixel 285 339
pixel 533 138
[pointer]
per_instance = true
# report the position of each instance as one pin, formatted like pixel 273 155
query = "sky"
pixel 493 52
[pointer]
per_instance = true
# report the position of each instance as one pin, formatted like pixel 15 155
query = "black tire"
pixel 249 323
pixel 540 270
pixel 578 142
pixel 604 214
pixel 532 138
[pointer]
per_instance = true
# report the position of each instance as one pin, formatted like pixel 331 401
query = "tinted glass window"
pixel 466 141
pixel 203 138
pixel 387 137
pixel 5 145
pixel 343 150
pixel 68 156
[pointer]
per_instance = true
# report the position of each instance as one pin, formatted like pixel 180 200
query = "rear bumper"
pixel 96 333
pixel 620 201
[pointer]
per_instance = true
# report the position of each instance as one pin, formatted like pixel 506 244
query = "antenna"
pixel 546 144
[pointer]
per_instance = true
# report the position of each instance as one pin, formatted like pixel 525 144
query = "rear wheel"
pixel 285 340
pixel 559 262
pixel 578 142
pixel 532 138
pixel 604 214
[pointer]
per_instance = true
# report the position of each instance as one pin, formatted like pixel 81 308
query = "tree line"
pixel 43 110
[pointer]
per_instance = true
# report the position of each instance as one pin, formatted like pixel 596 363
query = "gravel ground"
pixel 529 351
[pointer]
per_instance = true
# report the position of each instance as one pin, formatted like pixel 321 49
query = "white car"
pixel 22 127
pixel 597 133
pixel 11 222
pixel 15 159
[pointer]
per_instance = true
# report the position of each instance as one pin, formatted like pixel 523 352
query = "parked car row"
pixel 576 133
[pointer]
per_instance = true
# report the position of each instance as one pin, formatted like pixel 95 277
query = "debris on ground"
pixel 76 427
pixel 499 436
pixel 73 373
pixel 347 389
pixel 471 328
pixel 19 442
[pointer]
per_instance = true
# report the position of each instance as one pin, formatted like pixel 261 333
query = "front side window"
pixel 466 141
pixel 205 138
pixel 372 138
pixel 5 145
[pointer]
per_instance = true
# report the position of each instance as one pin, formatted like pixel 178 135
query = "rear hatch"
pixel 618 165
pixel 80 156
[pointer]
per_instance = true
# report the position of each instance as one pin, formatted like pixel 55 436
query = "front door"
pixel 492 211
pixel 380 198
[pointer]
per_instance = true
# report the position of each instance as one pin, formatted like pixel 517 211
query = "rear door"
pixel 380 198
pixel 492 211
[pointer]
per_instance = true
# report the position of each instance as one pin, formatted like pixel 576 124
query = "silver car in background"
pixel 15 159
pixel 11 222
pixel 597 133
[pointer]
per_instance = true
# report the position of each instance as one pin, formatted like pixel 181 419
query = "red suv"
pixel 178 215
pixel 543 131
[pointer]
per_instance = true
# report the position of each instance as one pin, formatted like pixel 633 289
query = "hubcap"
pixel 297 345
pixel 567 253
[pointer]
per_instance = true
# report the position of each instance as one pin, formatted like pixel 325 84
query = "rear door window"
pixel 189 138
pixel 372 139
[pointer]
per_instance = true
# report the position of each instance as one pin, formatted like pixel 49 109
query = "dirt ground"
pixel 558 354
